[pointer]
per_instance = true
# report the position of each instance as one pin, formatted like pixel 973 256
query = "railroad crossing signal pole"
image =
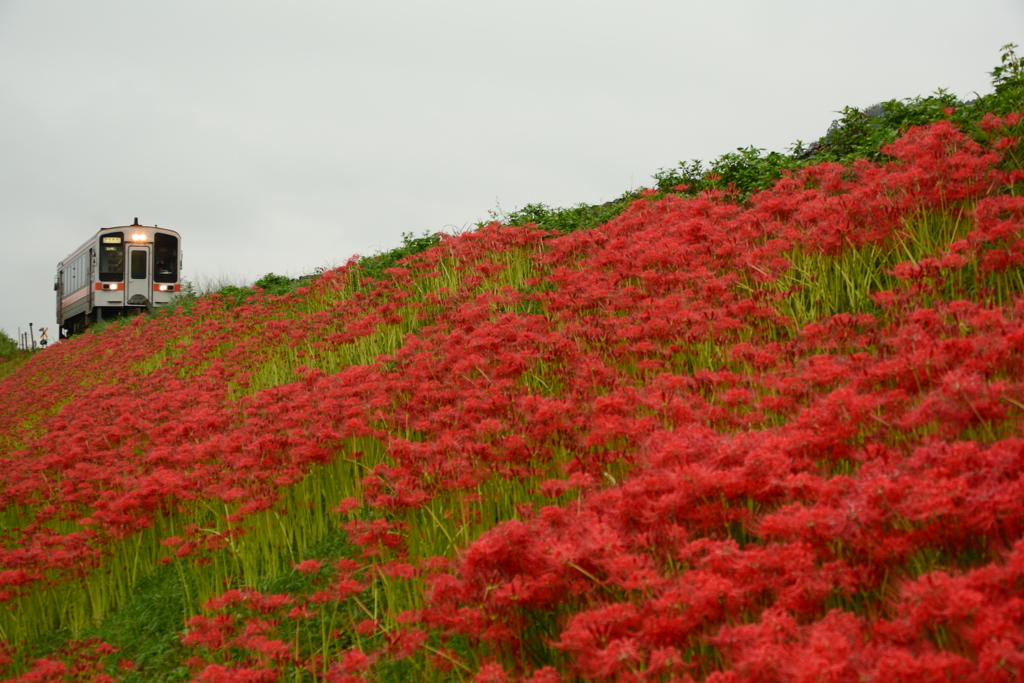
pixel 43 341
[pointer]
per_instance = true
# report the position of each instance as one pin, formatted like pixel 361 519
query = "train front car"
pixel 118 270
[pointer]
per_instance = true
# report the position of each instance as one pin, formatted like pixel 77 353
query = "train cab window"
pixel 138 264
pixel 165 258
pixel 112 257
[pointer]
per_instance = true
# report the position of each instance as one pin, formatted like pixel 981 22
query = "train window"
pixel 78 273
pixel 138 264
pixel 112 257
pixel 165 258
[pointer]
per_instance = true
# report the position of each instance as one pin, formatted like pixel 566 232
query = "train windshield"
pixel 112 257
pixel 165 258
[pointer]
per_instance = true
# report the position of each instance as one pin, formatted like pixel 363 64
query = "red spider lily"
pixel 636 466
pixel 308 567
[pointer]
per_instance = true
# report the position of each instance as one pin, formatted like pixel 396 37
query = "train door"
pixel 139 289
pixel 58 287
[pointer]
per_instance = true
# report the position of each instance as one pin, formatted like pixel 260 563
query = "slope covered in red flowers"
pixel 777 440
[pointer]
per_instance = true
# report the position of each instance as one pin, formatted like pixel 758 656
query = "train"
pixel 120 270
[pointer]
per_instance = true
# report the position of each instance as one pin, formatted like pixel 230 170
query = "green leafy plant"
pixel 579 217
pixel 276 285
pixel 745 171
pixel 1008 77
pixel 376 266
pixel 8 347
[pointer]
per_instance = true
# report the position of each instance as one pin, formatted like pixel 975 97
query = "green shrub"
pixel 8 347
pixel 276 285
pixel 579 217
pixel 376 266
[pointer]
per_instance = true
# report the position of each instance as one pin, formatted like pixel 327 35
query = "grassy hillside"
pixel 761 422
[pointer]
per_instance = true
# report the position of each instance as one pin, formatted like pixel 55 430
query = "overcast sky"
pixel 283 136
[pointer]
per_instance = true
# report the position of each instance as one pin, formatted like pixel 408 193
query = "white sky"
pixel 283 136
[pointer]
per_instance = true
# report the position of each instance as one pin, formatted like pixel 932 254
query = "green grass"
pixel 148 627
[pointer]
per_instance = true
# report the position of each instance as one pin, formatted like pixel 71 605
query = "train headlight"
pixel 113 286
pixel 163 288
pixel 138 237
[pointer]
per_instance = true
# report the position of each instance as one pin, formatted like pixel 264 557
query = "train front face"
pixel 139 266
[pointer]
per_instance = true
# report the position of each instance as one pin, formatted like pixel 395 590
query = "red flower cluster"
pixel 612 455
